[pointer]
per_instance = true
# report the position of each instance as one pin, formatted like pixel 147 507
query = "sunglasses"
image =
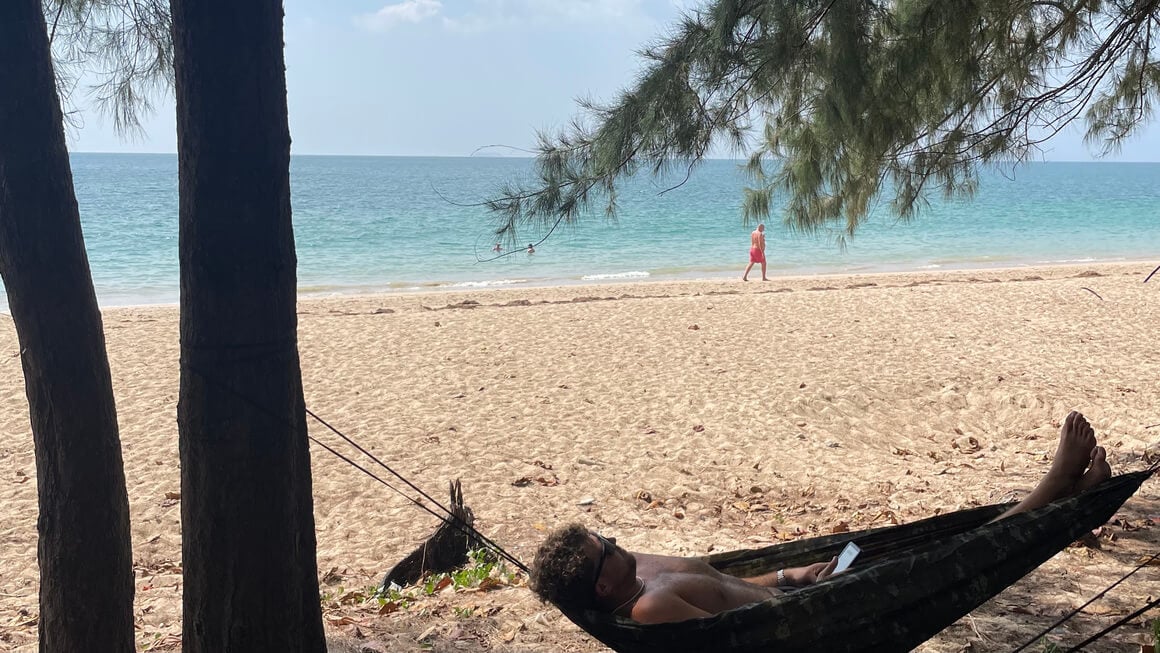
pixel 607 545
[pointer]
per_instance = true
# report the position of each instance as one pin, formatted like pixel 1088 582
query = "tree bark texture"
pixel 248 542
pixel 84 552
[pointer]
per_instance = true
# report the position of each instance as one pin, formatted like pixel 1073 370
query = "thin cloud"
pixel 408 11
pixel 494 14
pixel 589 9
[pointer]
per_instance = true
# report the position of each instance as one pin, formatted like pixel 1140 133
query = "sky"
pixel 447 77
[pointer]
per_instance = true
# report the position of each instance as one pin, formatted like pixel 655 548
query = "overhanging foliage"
pixel 837 102
pixel 122 49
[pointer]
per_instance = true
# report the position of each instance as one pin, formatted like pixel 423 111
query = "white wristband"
pixel 780 577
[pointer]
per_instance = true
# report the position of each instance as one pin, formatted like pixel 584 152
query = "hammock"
pixel 909 583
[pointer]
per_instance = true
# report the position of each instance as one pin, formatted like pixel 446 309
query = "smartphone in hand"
pixel 846 558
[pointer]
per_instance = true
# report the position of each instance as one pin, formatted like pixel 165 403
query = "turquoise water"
pixel 393 223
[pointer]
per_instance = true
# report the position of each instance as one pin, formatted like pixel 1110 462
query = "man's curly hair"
pixel 561 573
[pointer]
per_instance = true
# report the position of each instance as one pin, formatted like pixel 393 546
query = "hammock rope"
pixel 450 517
pixel 468 529
pixel 1151 604
pixel 454 521
pixel 1093 599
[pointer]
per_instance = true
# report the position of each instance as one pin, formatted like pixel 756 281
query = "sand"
pixel 682 418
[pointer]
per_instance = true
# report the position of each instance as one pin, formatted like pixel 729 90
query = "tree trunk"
pixel 248 543
pixel 86 574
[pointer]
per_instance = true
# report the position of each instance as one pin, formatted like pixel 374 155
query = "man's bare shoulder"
pixel 663 605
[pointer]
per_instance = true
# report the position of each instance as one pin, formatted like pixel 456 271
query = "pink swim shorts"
pixel 756 255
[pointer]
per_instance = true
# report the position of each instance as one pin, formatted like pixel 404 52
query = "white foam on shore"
pixel 484 284
pixel 635 274
pixel 1088 259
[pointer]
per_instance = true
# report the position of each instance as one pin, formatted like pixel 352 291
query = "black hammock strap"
pixel 920 578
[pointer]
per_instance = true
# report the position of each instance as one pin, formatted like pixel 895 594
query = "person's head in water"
pixel 575 568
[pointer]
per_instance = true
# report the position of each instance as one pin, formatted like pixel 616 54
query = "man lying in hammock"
pixel 578 569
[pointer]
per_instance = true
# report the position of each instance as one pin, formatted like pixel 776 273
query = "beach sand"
pixel 682 418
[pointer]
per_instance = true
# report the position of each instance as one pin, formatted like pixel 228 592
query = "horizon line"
pixel 469 156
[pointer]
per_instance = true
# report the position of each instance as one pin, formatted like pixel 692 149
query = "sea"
pixel 401 224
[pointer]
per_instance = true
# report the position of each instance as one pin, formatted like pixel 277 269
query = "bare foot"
pixel 1098 472
pixel 1077 440
pixel 1077 448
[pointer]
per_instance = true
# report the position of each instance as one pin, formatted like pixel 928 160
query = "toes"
pixel 1077 426
pixel 1099 471
pixel 1099 456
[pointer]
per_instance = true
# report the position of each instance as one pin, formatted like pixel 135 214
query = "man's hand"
pixel 815 573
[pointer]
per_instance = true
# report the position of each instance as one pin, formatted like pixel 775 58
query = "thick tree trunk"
pixel 86 574
pixel 248 543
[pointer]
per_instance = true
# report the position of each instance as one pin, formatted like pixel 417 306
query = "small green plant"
pixel 464 613
pixel 1156 632
pixel 481 568
pixel 393 594
pixel 1050 646
pixel 480 564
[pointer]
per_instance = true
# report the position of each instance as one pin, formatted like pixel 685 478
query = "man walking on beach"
pixel 756 252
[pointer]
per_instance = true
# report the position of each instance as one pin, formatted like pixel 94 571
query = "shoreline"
pixel 753 285
pixel 731 274
pixel 375 291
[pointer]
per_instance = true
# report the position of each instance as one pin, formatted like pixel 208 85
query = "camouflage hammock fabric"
pixel 910 582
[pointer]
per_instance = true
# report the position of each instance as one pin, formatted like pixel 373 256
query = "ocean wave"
pixel 1088 259
pixel 484 284
pixel 635 274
